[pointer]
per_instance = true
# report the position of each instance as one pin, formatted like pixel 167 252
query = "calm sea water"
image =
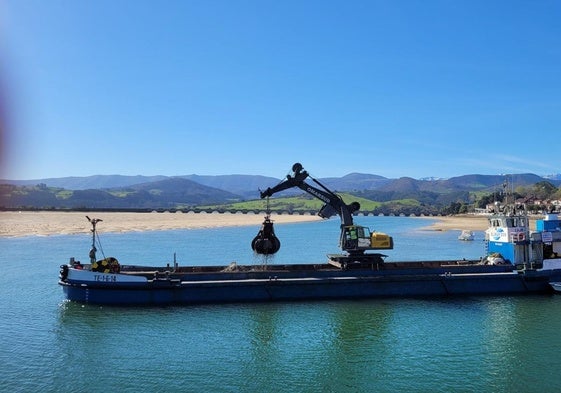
pixel 473 344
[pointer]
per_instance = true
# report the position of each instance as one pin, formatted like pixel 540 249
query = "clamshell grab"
pixel 266 242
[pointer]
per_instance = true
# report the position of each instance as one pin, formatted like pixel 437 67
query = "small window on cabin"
pixel 363 232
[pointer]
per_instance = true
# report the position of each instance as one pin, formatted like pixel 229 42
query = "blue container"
pixel 548 225
pixel 505 249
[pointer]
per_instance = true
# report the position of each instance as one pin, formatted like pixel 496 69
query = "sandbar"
pixel 460 222
pixel 45 223
pixel 468 222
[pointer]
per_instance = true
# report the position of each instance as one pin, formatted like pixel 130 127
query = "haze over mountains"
pixel 118 191
pixel 237 184
pixel 243 183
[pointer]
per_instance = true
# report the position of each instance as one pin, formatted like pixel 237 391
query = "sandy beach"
pixel 55 223
pixel 468 222
pixel 13 224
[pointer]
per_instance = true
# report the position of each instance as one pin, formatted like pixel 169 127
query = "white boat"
pixel 556 286
pixel 466 235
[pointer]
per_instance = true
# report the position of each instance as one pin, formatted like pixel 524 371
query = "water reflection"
pixel 519 342
pixel 311 344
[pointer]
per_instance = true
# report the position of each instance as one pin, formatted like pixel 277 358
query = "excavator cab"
pixel 359 238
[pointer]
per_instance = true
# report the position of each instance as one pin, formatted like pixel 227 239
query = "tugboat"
pixel 509 237
pixel 510 240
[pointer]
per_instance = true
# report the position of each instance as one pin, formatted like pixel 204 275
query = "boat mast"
pixel 93 250
pixel 509 205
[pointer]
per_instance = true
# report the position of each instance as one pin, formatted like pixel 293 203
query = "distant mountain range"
pixel 243 185
pixel 118 191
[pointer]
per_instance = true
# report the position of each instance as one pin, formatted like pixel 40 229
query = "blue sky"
pixel 394 88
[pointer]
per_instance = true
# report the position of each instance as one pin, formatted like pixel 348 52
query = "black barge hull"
pixel 198 285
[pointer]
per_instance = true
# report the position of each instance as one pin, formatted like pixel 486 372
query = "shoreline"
pixel 467 222
pixel 46 223
pixel 458 222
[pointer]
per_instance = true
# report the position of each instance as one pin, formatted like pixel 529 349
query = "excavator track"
pixel 364 261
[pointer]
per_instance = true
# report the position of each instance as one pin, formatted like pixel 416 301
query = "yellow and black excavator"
pixel 354 239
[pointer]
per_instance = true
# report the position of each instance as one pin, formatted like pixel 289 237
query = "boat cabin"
pixel 508 235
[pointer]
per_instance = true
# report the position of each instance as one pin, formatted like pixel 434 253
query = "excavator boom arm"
pixel 354 239
pixel 297 179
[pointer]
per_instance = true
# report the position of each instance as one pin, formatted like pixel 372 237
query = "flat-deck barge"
pixel 516 261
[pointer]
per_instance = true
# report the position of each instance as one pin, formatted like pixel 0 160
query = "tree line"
pixel 537 199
